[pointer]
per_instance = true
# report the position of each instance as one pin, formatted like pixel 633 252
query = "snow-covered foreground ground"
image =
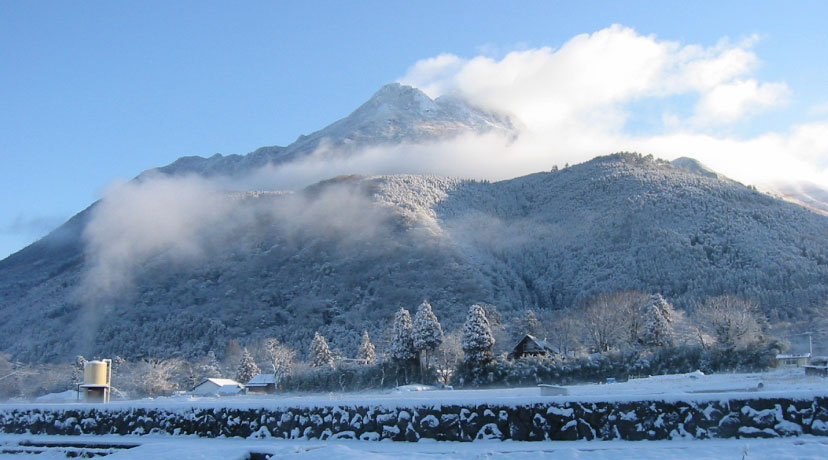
pixel 187 448
pixel 671 387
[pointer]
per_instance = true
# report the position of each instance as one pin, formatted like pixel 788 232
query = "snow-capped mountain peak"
pixel 394 99
pixel 393 115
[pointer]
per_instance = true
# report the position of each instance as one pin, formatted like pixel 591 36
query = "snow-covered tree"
pixel 427 334
pixel 77 369
pixel 401 347
pixel 279 356
pixel 733 321
pixel 193 372
pixel 247 368
pixel 605 320
pixel 533 324
pixel 209 366
pixel 321 355
pixel 658 322
pixel 527 323
pixel 366 354
pixel 478 341
pixel 154 376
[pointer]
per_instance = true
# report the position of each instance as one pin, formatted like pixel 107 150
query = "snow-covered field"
pixel 671 387
pixel 692 386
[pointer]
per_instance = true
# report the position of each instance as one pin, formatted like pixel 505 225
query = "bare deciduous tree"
pixel 448 356
pixel 153 376
pixel 280 357
pixel 634 305
pixel 563 332
pixel 732 321
pixel 605 324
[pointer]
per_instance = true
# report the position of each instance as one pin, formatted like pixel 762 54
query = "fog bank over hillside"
pixel 343 255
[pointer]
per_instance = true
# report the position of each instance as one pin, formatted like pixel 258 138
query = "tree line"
pixel 616 334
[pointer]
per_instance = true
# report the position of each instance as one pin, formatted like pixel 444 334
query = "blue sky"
pixel 92 92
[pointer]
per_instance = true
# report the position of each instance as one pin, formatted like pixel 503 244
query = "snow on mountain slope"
pixel 394 114
pixel 175 264
pixel 694 166
pixel 809 195
pixel 343 255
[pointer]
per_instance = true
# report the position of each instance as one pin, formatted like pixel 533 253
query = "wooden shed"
pixel 793 360
pixel 262 383
pixel 530 346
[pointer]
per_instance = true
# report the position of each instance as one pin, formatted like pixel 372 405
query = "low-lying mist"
pixel 186 220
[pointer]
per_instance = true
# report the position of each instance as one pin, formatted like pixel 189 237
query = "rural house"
pixel 793 360
pixel 262 383
pixel 218 387
pixel 531 346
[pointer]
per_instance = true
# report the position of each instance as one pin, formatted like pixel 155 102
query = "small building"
pixel 818 371
pixel 793 360
pixel 218 387
pixel 531 346
pixel 262 383
pixel 818 366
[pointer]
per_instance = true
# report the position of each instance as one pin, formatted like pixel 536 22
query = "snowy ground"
pixel 786 382
pixel 692 386
pixel 671 387
pixel 187 448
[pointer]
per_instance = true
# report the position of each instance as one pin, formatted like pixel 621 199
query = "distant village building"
pixel 262 383
pixel 793 360
pixel 531 346
pixel 818 366
pixel 218 387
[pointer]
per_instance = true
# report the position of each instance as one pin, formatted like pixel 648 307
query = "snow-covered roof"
pixel 216 386
pixel 541 343
pixel 220 382
pixel 794 356
pixel 230 389
pixel 262 380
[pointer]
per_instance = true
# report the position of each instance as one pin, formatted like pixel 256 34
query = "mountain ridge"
pixel 342 255
pixel 545 241
pixel 394 114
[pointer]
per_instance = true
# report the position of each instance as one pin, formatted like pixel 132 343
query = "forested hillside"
pixel 342 256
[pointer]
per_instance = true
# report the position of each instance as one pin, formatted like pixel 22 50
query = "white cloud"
pixel 731 101
pixel 598 73
pixel 579 100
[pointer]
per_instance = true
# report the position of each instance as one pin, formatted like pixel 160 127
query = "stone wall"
pixel 638 420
